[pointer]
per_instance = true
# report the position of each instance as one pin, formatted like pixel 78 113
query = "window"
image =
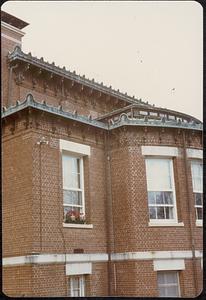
pixel 168 284
pixel 161 191
pixel 77 286
pixel 197 172
pixel 73 189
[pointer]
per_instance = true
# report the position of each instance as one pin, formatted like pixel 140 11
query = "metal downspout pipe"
pixel 190 214
pixel 110 218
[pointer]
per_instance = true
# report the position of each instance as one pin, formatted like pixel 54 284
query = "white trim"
pixel 166 223
pixel 151 255
pixel 8 26
pixel 194 153
pixel 86 226
pixel 75 148
pixel 97 257
pixel 198 254
pixel 160 151
pixel 10 38
pixel 78 268
pixel 169 264
pixel 199 223
pixel 87 257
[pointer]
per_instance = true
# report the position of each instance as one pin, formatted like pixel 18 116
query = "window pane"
pixel 152 212
pixel 159 198
pixel 160 213
pixel 168 198
pixel 197 176
pixel 71 170
pixel 75 282
pixel 169 212
pixel 151 197
pixel 198 199
pixel 162 292
pixel 171 277
pixel 160 278
pixel 72 197
pixel 199 213
pixel 172 291
pixel 158 174
pixel 76 293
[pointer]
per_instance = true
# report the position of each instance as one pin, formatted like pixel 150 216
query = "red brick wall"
pixel 17 195
pixel 7 45
pixel 129 194
pixel 17 281
pixel 49 280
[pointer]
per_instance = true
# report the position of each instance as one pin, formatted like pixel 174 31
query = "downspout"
pixel 111 239
pixel 190 213
pixel 60 222
pixel 10 84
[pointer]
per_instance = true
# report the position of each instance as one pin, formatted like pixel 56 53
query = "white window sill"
pixel 165 224
pixel 199 223
pixel 86 226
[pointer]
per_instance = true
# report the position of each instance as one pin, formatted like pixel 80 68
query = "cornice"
pixel 123 120
pixel 18 54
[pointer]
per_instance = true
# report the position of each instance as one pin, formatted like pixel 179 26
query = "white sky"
pixel 150 49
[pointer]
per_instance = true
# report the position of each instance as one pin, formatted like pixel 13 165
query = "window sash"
pixel 80 189
pixel 197 176
pixel 163 286
pixel 80 288
pixel 159 175
pixel 170 188
pixel 197 184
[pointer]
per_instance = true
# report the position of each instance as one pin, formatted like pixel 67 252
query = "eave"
pixel 19 55
pixel 124 120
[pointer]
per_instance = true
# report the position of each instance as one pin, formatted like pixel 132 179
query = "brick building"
pixel 102 192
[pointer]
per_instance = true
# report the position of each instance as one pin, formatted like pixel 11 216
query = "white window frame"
pixel 170 284
pixel 195 161
pixel 165 222
pixel 81 279
pixel 81 189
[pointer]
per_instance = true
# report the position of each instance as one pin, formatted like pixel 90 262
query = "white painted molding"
pixel 169 264
pixel 199 223
pixel 165 224
pixel 75 148
pixel 12 28
pixel 194 153
pixel 148 255
pixel 97 257
pixel 83 226
pixel 10 38
pixel 160 151
pixel 87 257
pixel 78 268
pixel 198 254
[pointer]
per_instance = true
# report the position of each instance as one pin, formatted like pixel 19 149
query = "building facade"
pixel 102 192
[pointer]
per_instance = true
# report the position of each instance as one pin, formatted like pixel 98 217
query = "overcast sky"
pixel 150 49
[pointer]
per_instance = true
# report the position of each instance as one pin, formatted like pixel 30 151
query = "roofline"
pixel 13 20
pixel 123 120
pixel 19 54
pixel 152 109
